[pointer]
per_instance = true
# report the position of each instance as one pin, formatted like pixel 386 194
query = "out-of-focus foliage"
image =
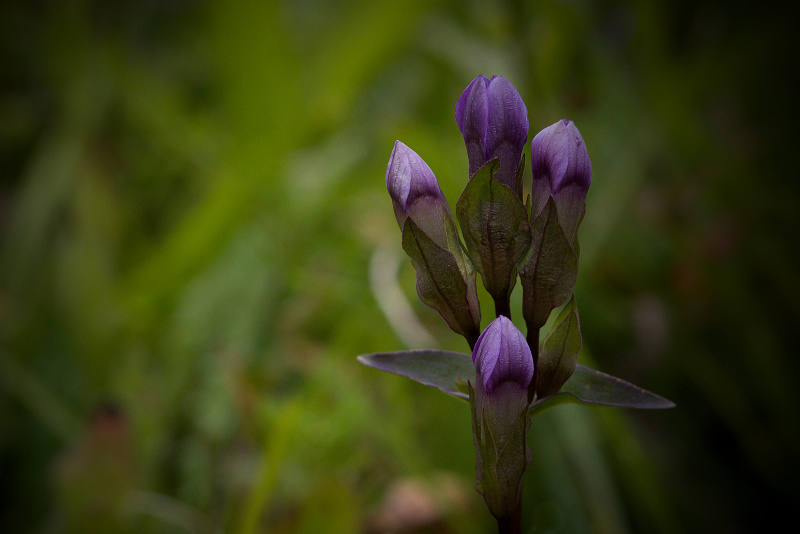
pixel 196 242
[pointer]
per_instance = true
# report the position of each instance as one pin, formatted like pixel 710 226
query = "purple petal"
pixel 472 118
pixel 408 177
pixel 507 131
pixel 502 355
pixel 559 155
pixel 494 122
pixel 508 117
pixel 472 107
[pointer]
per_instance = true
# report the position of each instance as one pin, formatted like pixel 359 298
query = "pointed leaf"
pixel 591 387
pixel 549 271
pixel 437 368
pixel 494 223
pixel 559 354
pixel 444 369
pixel 441 283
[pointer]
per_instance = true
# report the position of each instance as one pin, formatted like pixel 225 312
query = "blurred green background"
pixel 197 242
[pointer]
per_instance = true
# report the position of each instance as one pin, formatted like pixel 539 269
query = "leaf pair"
pixel 449 371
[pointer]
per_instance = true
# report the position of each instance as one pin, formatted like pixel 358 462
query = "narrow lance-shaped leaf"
pixel 494 223
pixel 559 353
pixel 441 369
pixel 441 284
pixel 591 387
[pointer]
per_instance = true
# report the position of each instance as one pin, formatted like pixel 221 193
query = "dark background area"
pixel 197 242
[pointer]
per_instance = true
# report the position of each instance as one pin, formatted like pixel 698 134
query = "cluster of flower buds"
pixel 505 237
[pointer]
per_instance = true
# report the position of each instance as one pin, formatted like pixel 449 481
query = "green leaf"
pixel 549 272
pixel 590 387
pixel 444 370
pixel 441 369
pixel 494 223
pixel 559 354
pixel 441 284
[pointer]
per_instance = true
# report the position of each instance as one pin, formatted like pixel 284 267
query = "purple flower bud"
pixel 502 355
pixel 408 177
pixel 494 122
pixel 415 192
pixel 561 169
pixel 445 276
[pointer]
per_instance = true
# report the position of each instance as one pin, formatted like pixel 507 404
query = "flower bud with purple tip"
pixel 415 193
pixel 499 401
pixel 561 169
pixel 446 279
pixel 494 122
pixel 502 356
pixel 562 174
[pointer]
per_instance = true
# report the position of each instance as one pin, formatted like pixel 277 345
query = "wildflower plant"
pixel 509 377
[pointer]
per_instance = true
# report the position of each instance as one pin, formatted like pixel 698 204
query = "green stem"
pixel 472 338
pixel 502 306
pixel 513 524
pixel 533 343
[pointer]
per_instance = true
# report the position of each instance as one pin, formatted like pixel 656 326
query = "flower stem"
pixel 502 306
pixel 472 338
pixel 533 343
pixel 513 524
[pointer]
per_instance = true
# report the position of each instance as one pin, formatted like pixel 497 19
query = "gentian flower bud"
pixel 502 355
pixel 561 169
pixel 500 421
pixel 446 279
pixel 415 193
pixel 494 122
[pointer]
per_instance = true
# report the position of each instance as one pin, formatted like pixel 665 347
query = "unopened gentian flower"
pixel 446 280
pixel 561 169
pixel 502 356
pixel 494 122
pixel 503 371
pixel 415 193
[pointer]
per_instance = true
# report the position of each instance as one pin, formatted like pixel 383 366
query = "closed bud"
pixel 561 169
pixel 494 122
pixel 415 193
pixel 446 279
pixel 502 355
pixel 500 421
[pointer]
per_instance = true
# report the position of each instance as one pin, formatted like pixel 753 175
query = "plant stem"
pixel 513 524
pixel 533 343
pixel 502 306
pixel 472 338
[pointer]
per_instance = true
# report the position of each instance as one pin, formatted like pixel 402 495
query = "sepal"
pixel 549 272
pixel 558 355
pixel 444 283
pixel 500 424
pixel 494 223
